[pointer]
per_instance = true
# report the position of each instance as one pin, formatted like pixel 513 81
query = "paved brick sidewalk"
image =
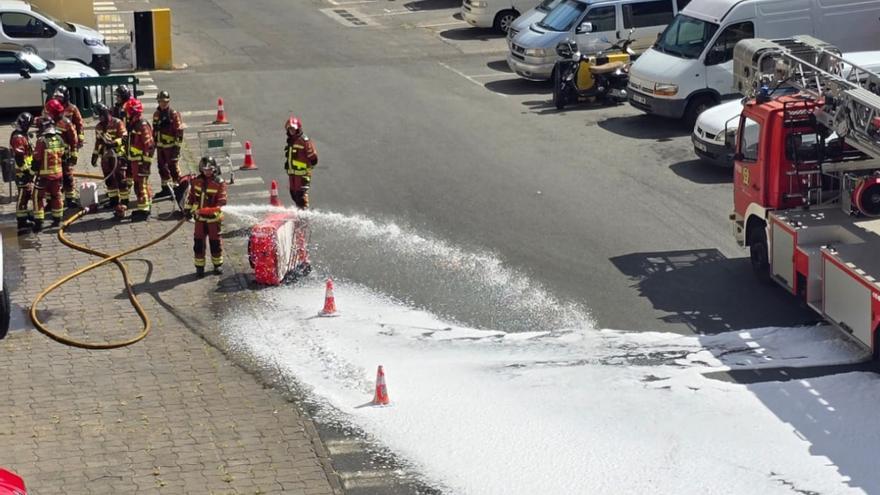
pixel 170 414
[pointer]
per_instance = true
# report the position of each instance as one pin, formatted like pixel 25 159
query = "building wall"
pixel 78 11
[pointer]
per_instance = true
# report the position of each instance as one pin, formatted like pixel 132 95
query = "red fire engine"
pixel 807 178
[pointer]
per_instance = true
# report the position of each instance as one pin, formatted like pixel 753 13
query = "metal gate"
pixel 118 31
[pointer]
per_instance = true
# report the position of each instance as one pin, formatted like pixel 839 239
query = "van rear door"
pixel 27 30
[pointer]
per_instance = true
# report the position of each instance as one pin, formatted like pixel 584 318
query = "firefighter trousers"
pixel 299 190
pixel 166 160
pixel 25 195
pixel 211 230
pixel 109 163
pixel 68 182
pixel 49 190
pixel 141 170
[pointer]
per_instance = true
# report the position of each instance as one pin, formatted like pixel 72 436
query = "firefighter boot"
pixel 56 221
pixel 38 225
pixel 166 192
pixel 140 215
pixel 200 271
pixel 24 225
pixel 111 203
pixel 218 269
pixel 71 203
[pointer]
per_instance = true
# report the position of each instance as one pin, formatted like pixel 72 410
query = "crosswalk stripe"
pixel 249 180
pixel 251 194
pixel 146 87
pixel 107 8
pixel 198 113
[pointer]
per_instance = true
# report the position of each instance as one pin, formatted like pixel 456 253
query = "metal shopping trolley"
pixel 215 142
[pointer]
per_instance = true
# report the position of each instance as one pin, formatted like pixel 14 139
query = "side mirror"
pixel 586 27
pixel 24 72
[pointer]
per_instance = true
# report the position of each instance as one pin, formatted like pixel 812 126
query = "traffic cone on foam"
pixel 273 194
pixel 221 113
pixel 380 398
pixel 248 158
pixel 329 301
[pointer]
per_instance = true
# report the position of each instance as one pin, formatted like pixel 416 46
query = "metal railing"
pixel 86 91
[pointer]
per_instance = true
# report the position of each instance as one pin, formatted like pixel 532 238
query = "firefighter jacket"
pixel 140 146
pixel 167 128
pixel 22 151
pixel 206 198
pixel 49 155
pixel 300 156
pixel 67 131
pixel 75 117
pixel 110 135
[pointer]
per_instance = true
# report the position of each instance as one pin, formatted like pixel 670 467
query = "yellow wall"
pixel 78 11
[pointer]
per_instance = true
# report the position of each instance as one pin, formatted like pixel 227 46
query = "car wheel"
pixel 558 91
pixel 504 19
pixel 695 108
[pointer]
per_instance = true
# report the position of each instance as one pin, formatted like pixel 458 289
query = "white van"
pixel 690 68
pixel 23 24
pixel 595 25
pixel 498 14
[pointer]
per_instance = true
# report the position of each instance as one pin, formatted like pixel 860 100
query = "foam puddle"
pixel 564 408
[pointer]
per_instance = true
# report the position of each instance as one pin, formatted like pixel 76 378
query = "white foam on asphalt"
pixel 572 409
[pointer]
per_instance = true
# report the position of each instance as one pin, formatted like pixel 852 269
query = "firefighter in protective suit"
pixel 139 152
pixel 168 134
pixel 207 197
pixel 300 157
pixel 23 154
pixel 110 134
pixel 48 166
pixel 67 130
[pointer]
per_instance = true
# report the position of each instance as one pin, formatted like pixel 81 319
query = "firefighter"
pixel 168 134
pixel 110 135
pixel 300 157
pixel 207 195
pixel 48 166
pixel 71 112
pixel 123 94
pixel 139 153
pixel 67 131
pixel 23 154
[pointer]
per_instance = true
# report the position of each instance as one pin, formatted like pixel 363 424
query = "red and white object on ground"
pixel 88 196
pixel 273 194
pixel 277 246
pixel 11 483
pixel 380 398
pixel 221 113
pixel 249 163
pixel 329 301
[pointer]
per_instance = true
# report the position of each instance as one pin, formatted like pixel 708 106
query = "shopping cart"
pixel 215 142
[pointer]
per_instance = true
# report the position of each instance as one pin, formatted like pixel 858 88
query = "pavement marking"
pixel 366 479
pixel 347 17
pixel 248 180
pixel 342 446
pixel 469 78
pixel 254 195
pixel 441 24
pixel 105 8
pixel 353 2
pixel 396 12
pixel 148 86
pixel 198 113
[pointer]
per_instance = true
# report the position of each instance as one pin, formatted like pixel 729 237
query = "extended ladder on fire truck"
pixel 848 95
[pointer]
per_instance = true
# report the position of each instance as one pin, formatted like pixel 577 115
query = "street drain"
pixel 346 17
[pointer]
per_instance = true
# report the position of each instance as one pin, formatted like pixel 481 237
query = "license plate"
pixel 700 146
pixel 640 99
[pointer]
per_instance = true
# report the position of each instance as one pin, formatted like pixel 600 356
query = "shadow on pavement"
pixel 519 87
pixel 432 4
pixel 701 172
pixel 500 66
pixel 470 34
pixel 544 107
pixel 645 127
pixel 710 293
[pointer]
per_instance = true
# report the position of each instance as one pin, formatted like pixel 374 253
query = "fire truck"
pixel 807 178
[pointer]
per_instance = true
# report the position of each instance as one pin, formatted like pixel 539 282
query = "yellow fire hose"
pixel 107 258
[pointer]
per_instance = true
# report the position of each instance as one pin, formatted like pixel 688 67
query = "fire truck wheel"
pixel 758 255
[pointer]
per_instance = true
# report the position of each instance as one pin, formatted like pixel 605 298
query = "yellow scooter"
pixel 603 76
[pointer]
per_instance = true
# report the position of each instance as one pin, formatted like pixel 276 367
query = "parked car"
pixel 497 14
pixel 530 17
pixel 24 24
pixel 715 129
pixel 22 74
pixel 594 26
pixel 690 68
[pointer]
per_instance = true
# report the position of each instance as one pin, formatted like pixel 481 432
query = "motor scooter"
pixel 601 77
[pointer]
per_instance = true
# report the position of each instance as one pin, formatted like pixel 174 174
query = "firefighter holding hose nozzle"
pixel 207 197
pixel 110 135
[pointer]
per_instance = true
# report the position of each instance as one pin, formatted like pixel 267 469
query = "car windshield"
pixel 33 60
pixel 63 25
pixel 548 5
pixel 686 37
pixel 563 17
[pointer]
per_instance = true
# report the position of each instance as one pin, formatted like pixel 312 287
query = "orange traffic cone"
pixel 273 194
pixel 381 396
pixel 248 158
pixel 221 113
pixel 329 301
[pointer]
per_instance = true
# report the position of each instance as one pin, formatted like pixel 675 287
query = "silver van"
pixel 530 17
pixel 595 25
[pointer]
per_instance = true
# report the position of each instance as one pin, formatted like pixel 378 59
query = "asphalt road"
pixel 418 121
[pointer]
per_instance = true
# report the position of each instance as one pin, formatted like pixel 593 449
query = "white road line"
pixel 236 156
pixel 198 113
pixel 395 12
pixel 248 180
pixel 343 446
pixel 103 3
pixel 105 9
pixel 365 479
pixel 253 195
pixel 442 24
pixel 353 2
pixel 149 87
pixel 469 78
